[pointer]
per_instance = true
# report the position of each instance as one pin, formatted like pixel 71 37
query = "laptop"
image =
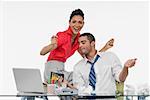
pixel 28 80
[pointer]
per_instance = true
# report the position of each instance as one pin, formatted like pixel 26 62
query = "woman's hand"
pixel 109 44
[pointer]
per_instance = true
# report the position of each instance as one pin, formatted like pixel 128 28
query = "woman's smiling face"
pixel 76 24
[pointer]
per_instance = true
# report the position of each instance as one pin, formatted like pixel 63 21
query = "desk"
pixel 13 95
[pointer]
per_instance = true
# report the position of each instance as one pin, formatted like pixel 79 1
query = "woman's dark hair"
pixel 76 12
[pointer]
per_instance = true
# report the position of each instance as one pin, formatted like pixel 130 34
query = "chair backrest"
pixel 119 90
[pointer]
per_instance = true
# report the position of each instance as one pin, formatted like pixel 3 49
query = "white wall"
pixel 28 26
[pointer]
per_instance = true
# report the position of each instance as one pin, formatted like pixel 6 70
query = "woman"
pixel 64 45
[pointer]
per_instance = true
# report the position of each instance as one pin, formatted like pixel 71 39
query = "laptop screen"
pixel 28 80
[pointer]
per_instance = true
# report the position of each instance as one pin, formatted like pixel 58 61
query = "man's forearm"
pixel 123 75
pixel 48 48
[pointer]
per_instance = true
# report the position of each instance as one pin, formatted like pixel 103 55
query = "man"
pixel 97 72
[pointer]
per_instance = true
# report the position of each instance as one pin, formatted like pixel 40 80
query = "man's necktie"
pixel 92 76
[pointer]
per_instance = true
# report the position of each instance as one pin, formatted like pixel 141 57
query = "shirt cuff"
pixel 85 90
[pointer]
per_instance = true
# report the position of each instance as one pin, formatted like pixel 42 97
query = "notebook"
pixel 28 80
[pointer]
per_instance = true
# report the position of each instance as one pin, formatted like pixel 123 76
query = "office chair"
pixel 119 90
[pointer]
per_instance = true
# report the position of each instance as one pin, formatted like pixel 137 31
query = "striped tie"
pixel 92 76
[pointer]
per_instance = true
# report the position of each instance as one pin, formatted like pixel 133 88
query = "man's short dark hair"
pixel 90 37
pixel 76 12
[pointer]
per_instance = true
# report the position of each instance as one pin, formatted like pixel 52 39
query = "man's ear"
pixel 93 43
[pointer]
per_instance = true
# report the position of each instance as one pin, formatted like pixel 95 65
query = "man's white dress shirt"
pixel 107 69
